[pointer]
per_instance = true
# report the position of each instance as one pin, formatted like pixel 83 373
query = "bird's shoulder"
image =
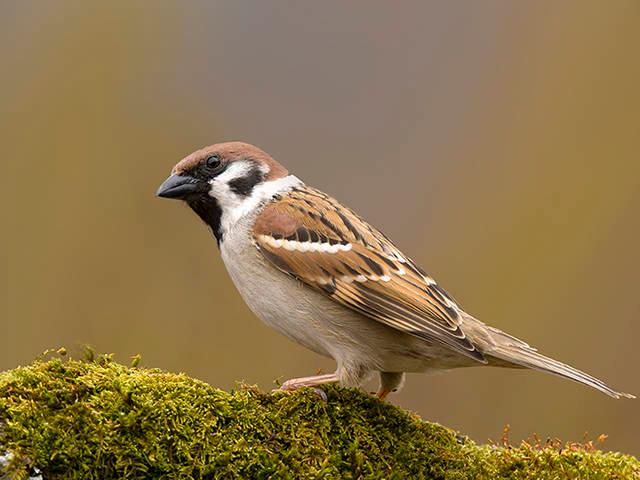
pixel 308 215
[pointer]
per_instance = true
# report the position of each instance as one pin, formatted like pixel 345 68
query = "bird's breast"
pixel 279 300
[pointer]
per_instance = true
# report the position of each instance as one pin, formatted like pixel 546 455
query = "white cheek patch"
pixel 235 206
pixel 220 188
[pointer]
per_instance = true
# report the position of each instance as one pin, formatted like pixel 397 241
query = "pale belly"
pixel 283 303
pixel 313 320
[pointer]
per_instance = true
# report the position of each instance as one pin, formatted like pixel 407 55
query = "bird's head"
pixel 225 181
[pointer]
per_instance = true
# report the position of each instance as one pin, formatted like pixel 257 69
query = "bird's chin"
pixel 209 211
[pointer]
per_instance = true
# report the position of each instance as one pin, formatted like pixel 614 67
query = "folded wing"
pixel 310 236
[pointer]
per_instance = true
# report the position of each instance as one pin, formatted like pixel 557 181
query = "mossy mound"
pixel 102 420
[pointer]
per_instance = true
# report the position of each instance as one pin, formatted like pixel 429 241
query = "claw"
pixel 321 393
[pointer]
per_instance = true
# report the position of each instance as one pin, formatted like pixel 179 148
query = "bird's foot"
pixel 317 390
pixel 296 383
pixel 314 381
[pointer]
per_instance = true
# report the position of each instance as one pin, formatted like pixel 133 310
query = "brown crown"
pixel 231 152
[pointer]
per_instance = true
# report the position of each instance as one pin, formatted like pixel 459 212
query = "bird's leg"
pixel 382 394
pixel 389 382
pixel 296 383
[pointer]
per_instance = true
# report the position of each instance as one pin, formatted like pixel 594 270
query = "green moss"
pixel 72 419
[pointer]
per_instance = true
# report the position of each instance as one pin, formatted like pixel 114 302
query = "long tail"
pixel 522 355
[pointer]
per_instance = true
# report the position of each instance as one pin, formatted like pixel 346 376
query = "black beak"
pixel 179 186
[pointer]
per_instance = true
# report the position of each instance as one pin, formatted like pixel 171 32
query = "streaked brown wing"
pixel 309 235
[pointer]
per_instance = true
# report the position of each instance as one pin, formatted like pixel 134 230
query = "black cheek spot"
pixel 243 186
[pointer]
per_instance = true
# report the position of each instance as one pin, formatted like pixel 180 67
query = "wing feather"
pixel 310 236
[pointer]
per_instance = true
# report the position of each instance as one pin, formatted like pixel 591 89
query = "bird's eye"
pixel 213 162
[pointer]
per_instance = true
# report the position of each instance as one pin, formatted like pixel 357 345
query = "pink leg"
pixel 389 382
pixel 382 394
pixel 296 383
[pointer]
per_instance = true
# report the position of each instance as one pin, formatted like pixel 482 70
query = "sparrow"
pixel 317 272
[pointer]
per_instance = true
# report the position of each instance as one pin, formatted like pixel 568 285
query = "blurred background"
pixel 496 142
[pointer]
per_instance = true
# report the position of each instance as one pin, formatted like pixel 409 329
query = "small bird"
pixel 318 273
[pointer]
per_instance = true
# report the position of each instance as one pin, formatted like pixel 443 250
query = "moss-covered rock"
pixel 73 419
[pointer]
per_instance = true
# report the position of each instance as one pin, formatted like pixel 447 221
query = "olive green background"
pixel 496 142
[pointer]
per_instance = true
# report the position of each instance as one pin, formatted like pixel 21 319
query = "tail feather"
pixel 526 356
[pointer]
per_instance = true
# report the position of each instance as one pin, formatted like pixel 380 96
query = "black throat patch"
pixel 209 211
